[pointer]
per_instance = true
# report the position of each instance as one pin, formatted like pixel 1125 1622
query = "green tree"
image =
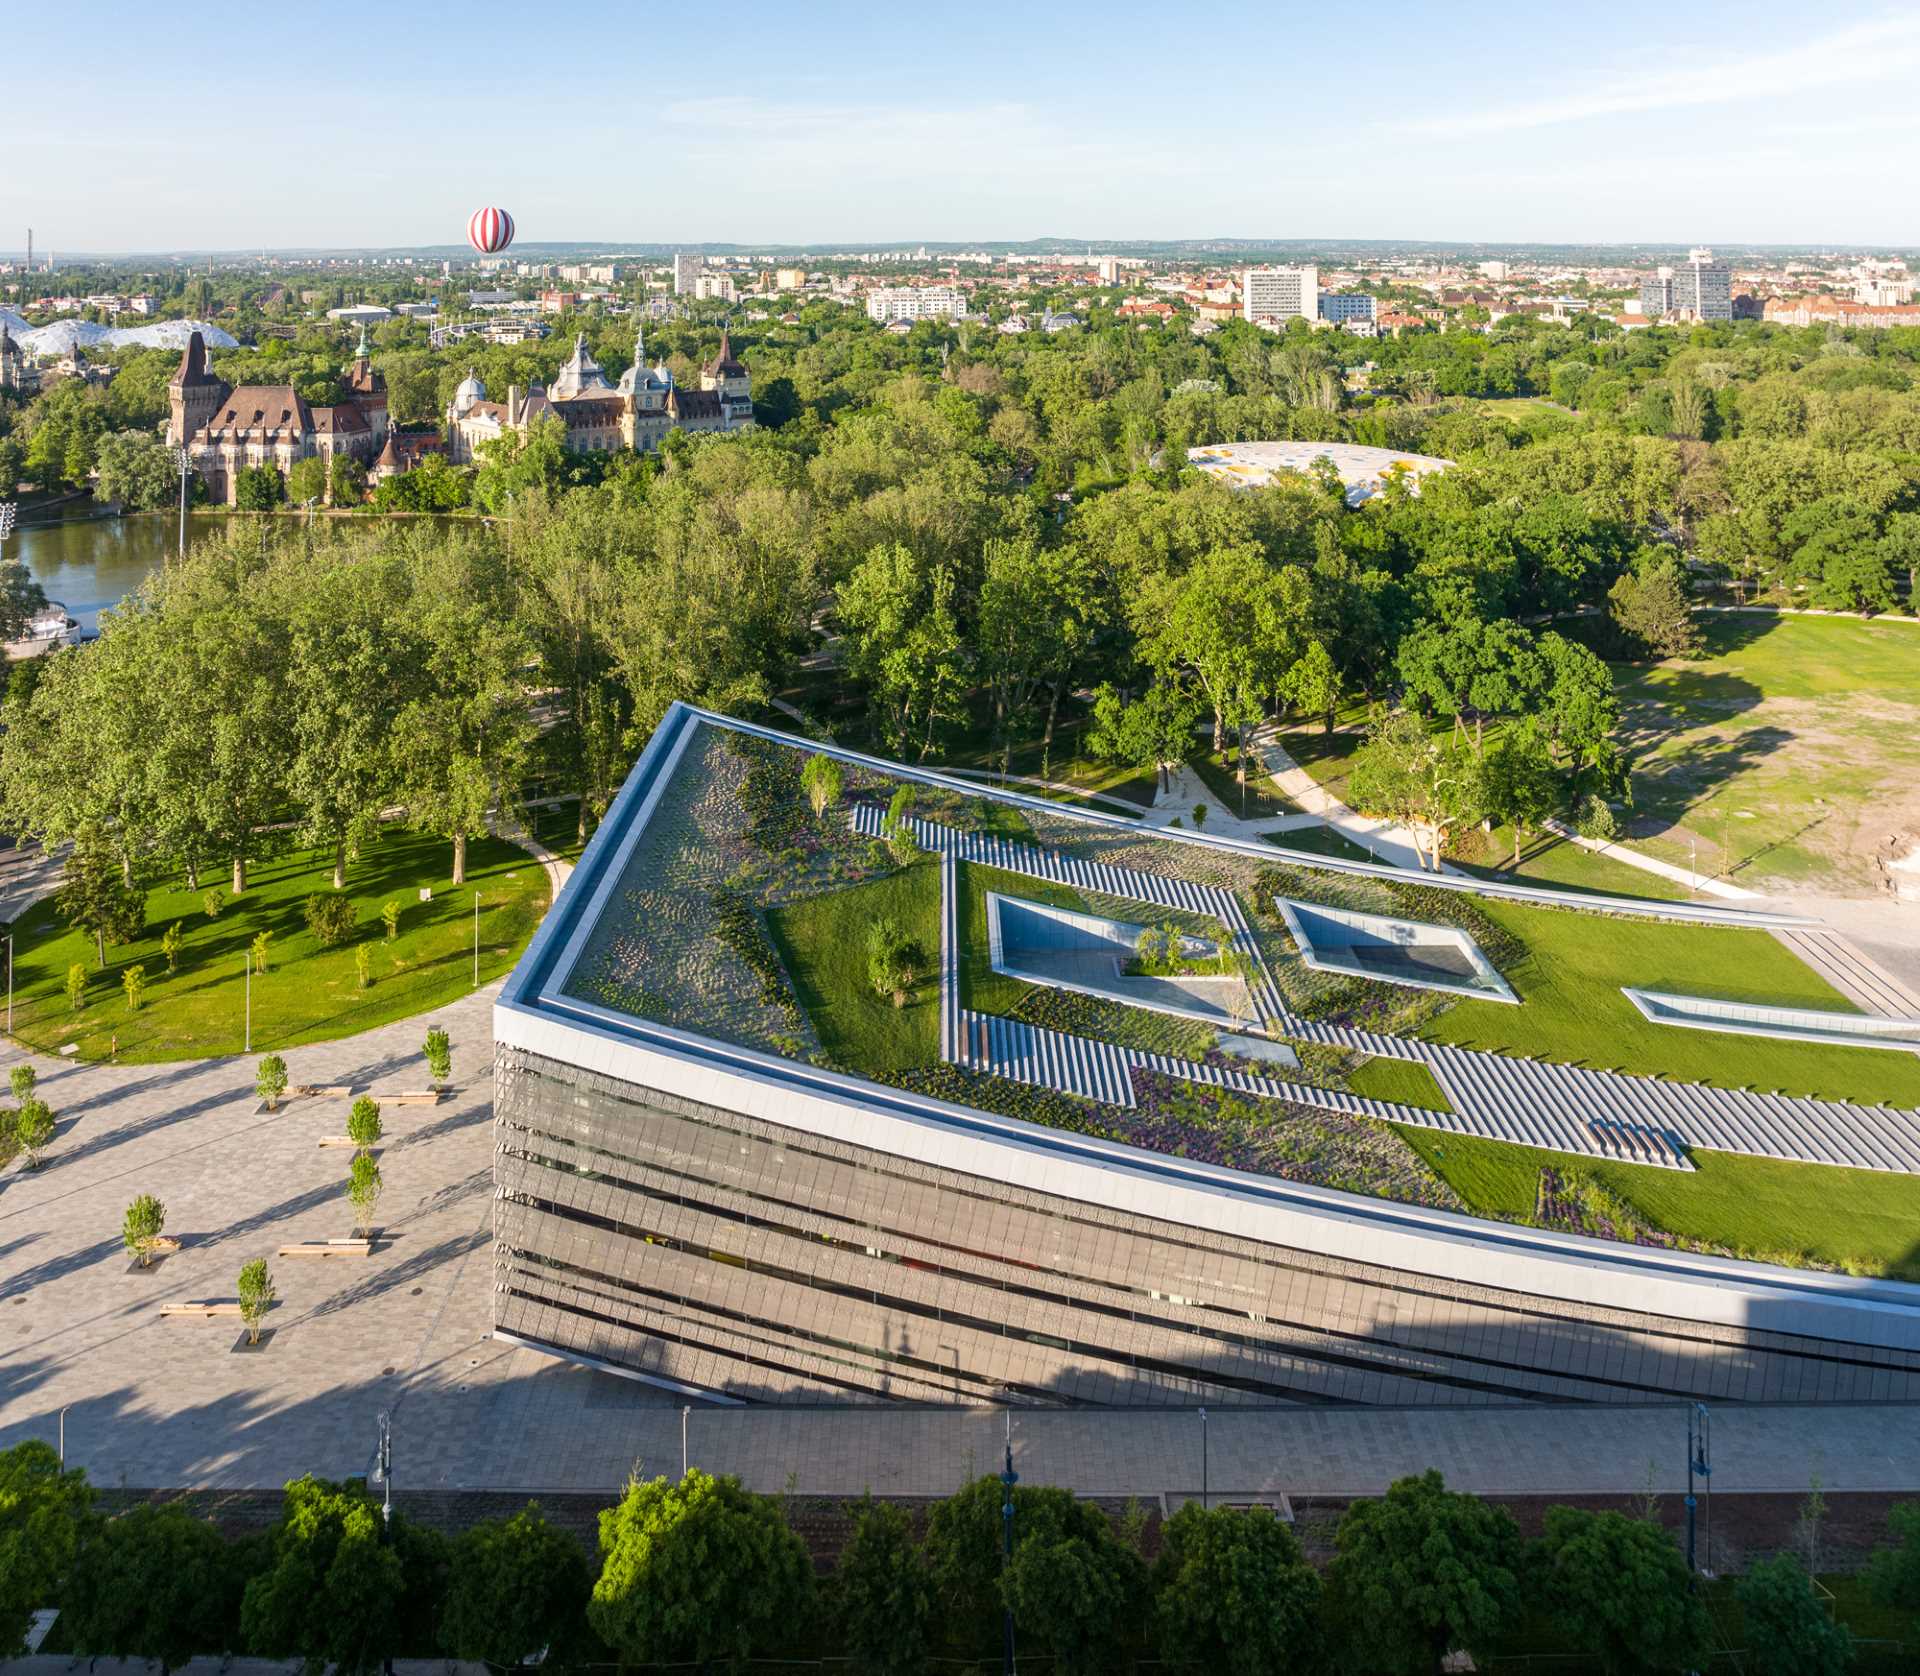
pixel 364 1185
pixel 141 1227
pixel 820 779
pixel 439 1052
pixel 894 960
pixel 1650 610
pixel 307 480
pixel 1894 1571
pixel 334 1593
pixel 258 488
pixel 1431 786
pixel 270 1080
pixel 1234 1593
pixel 256 1293
pixel 363 1123
pixel 1312 684
pixel 1149 732
pixel 1517 781
pixel 135 469
pixel 33 1126
pixel 463 741
pixel 170 943
pixel 1080 1595
pixel 883 1594
pixel 133 980
pixel 516 1590
pixel 1618 1587
pixel 1422 1572
pixel 154 1583
pixel 95 897
pixel 347 482
pixel 904 643
pixel 22 1080
pixel 76 986
pixel 700 1570
pixel 1789 1630
pixel 46 1514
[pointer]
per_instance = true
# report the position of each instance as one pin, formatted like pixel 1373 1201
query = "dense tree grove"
pixel 705 1575
pixel 958 538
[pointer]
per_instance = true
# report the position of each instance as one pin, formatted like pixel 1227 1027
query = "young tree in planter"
pixel 22 1079
pixel 516 1588
pixel 142 1226
pixel 821 781
pixel 33 1128
pixel 363 1191
pixel 257 1293
pixel 96 898
pixel 363 1122
pixel 270 1080
pixel 439 1051
pixel 699 1571
pixel 46 1513
pixel 1235 1594
pixel 154 1583
pixel 883 1593
pixel 1419 1573
pixel 1789 1631
pixel 1619 1589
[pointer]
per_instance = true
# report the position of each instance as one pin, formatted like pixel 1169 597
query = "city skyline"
pixel 1512 128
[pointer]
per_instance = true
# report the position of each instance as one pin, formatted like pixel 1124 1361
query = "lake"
pixel 91 566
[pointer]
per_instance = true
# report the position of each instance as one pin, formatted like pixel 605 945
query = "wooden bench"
pixel 199 1311
pixel 413 1097
pixel 338 1140
pixel 323 1090
pixel 163 1245
pixel 328 1248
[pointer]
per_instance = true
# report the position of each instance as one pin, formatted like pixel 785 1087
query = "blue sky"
pixel 1757 122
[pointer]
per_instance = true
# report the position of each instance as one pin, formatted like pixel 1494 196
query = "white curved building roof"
pixel 1365 471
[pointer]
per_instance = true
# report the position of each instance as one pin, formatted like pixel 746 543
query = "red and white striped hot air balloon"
pixel 490 230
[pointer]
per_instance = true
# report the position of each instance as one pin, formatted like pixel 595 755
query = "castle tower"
pixel 194 394
pixel 728 378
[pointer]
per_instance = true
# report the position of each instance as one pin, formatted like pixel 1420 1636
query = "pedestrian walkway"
pixel 1386 840
pixel 1699 883
pixel 1563 1108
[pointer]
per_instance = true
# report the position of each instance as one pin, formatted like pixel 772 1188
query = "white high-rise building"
pixel 1700 290
pixel 1269 294
pixel 915 302
pixel 1108 267
pixel 686 273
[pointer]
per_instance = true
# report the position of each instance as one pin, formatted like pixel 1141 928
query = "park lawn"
pixel 1255 801
pixel 1547 859
pixel 307 994
pixel 1320 840
pixel 1785 754
pixel 1864 1221
pixel 1399 1080
pixel 1328 757
pixel 1572 1009
pixel 822 941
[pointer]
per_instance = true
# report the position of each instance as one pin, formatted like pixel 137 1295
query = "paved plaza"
pixel 169 1403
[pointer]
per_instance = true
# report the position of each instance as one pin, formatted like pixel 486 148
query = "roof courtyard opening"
pixel 1390 950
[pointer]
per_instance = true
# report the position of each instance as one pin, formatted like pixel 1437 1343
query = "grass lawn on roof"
pixel 1572 1009
pixel 822 941
pixel 1403 1081
pixel 308 994
pixel 1766 1208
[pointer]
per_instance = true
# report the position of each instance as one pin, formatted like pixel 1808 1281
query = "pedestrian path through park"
pixel 1564 1108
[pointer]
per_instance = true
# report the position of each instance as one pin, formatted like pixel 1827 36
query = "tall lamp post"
pixel 1008 1479
pixel 183 465
pixel 1203 1460
pixel 1699 1465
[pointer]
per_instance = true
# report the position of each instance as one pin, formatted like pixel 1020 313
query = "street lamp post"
pixel 476 939
pixel 1008 1479
pixel 182 463
pixel 248 1048
pixel 1699 1465
pixel 1203 1460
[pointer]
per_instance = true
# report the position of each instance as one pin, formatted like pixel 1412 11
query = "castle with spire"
pixel 224 429
pixel 635 413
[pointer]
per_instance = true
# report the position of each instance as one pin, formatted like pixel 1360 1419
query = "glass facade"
pixel 708 1249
